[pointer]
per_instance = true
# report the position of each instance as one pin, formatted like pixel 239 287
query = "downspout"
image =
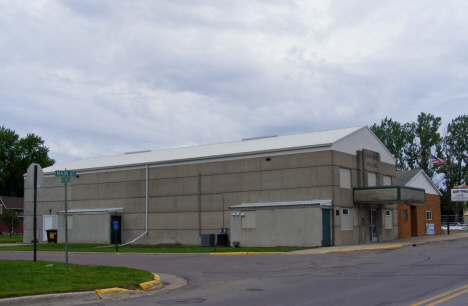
pixel 199 205
pixel 146 202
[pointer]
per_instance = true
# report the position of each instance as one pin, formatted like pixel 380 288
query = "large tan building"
pixel 176 195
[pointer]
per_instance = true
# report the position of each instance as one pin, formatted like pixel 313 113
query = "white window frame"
pixel 429 215
pixel 345 212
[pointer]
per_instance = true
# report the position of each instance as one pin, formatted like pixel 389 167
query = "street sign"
pixel 115 225
pixel 65 173
pixel 66 179
pixel 30 175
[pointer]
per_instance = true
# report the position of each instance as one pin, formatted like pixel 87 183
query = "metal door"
pixel 326 225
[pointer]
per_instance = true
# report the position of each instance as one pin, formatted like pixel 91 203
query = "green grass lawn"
pixel 13 239
pixel 60 247
pixel 19 278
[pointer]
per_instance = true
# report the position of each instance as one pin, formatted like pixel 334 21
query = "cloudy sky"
pixel 96 78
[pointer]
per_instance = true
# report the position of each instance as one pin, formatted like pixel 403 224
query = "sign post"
pixel 35 177
pixel 65 180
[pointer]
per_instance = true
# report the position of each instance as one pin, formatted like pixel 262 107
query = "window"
pixel 345 178
pixel 371 179
pixel 337 212
pixel 388 213
pixel 428 215
pixel 387 180
pixel 405 215
pixel 345 212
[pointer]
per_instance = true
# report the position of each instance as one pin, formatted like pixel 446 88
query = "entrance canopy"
pixel 389 194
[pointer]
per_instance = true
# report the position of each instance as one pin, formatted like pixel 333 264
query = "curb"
pixel 398 246
pixel 249 253
pixel 89 295
pixel 151 285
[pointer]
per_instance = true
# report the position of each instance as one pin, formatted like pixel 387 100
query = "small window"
pixel 428 215
pixel 388 213
pixel 387 180
pixel 371 179
pixel 345 178
pixel 337 212
pixel 405 215
pixel 345 212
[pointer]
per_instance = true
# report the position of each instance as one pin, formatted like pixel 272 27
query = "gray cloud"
pixel 105 77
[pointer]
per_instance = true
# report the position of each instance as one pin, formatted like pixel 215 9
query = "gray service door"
pixel 326 225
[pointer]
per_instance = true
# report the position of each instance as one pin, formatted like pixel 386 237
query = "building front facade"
pixel 174 196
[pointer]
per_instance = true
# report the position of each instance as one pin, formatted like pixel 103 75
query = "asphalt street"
pixel 402 276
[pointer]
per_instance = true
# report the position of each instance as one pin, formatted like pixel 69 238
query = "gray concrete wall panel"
pixel 173 171
pixel 130 189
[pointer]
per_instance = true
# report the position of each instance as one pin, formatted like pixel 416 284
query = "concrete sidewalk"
pixel 386 245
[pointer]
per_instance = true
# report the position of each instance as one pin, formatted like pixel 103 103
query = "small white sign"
pixel 430 229
pixel 460 195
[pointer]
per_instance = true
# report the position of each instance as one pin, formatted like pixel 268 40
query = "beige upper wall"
pixel 363 139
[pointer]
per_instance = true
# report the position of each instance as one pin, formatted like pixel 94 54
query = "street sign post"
pixel 66 178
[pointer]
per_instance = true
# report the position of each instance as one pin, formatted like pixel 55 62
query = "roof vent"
pixel 144 151
pixel 261 137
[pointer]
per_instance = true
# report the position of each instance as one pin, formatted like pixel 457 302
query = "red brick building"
pixel 419 219
pixel 16 204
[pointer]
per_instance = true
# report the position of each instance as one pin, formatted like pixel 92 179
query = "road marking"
pixel 443 297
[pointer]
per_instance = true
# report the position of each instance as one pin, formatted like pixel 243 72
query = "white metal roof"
pixel 319 140
pixel 322 203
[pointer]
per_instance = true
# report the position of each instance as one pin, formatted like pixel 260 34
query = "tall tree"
pixel 393 135
pixel 455 152
pixel 16 154
pixel 411 143
pixel 426 130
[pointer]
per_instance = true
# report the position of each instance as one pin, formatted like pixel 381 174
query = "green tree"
pixel 411 143
pixel 10 219
pixel 16 154
pixel 393 136
pixel 426 130
pixel 455 152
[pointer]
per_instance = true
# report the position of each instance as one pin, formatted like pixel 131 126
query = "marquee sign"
pixel 460 195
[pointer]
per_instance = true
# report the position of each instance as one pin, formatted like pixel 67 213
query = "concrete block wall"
pixel 174 193
pixel 174 210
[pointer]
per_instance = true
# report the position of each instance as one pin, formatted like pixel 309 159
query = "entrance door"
pixel 48 222
pixel 373 225
pixel 326 225
pixel 116 221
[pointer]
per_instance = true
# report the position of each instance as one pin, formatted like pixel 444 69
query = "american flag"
pixel 437 161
